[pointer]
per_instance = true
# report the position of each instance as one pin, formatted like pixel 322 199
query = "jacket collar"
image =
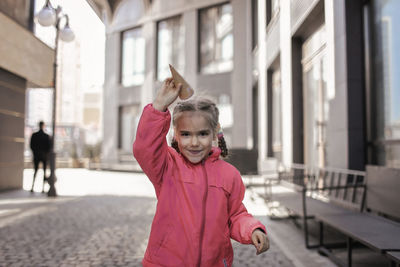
pixel 215 153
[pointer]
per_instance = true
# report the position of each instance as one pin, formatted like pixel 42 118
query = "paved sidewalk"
pixel 100 225
pixel 95 231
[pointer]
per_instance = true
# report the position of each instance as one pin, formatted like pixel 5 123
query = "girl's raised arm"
pixel 150 147
pixel 167 94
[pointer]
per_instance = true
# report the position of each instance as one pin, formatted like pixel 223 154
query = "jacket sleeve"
pixel 150 147
pixel 241 223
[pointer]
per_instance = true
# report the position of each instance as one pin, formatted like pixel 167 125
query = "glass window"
pixel 128 121
pixel 225 108
pixel 316 99
pixel 276 115
pixel 254 23
pixel 272 9
pixel 216 39
pixel 133 53
pixel 385 91
pixel 170 47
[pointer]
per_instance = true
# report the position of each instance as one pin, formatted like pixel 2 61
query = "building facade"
pixel 208 42
pixel 329 93
pixel 301 81
pixel 24 61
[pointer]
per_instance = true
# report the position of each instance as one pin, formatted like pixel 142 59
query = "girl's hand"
pixel 167 94
pixel 260 241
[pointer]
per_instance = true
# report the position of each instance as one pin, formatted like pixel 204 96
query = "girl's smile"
pixel 194 136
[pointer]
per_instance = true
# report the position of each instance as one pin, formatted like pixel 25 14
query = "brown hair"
pixel 210 112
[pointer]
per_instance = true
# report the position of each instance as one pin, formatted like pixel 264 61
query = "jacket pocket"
pixel 219 186
pixel 161 243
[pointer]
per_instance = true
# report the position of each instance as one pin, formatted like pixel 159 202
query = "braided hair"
pixel 210 112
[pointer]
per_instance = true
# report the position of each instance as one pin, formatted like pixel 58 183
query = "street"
pixel 99 219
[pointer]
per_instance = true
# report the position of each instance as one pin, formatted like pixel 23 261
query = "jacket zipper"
pixel 203 222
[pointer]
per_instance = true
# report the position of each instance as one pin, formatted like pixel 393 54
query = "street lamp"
pixel 49 16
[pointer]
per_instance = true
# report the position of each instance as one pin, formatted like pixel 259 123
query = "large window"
pixel 133 54
pixel 216 39
pixel 170 47
pixel 128 121
pixel 385 87
pixel 254 23
pixel 276 115
pixel 272 9
pixel 316 99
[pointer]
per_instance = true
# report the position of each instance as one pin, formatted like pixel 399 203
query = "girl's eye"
pixel 205 133
pixel 184 134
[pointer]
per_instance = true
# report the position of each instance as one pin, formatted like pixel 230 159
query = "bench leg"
pixel 306 240
pixel 321 234
pixel 349 251
pixel 305 224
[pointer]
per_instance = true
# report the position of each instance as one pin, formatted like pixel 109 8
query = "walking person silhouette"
pixel 40 145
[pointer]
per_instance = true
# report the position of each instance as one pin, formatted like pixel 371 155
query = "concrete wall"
pixel 17 10
pixel 24 54
pixel 12 115
pixel 24 59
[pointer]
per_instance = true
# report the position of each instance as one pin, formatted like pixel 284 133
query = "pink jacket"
pixel 199 205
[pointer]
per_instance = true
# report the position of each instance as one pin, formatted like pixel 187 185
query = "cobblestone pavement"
pixel 90 230
pixel 95 231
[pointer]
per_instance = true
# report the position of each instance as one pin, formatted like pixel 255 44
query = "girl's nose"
pixel 195 141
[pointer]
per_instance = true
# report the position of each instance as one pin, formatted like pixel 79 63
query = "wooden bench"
pixel 394 256
pixel 319 191
pixel 364 209
pixel 377 228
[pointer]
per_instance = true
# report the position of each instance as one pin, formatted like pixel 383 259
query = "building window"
pixel 170 47
pixel 272 10
pixel 225 108
pixel 216 39
pixel 254 23
pixel 276 130
pixel 128 121
pixel 385 89
pixel 316 99
pixel 133 54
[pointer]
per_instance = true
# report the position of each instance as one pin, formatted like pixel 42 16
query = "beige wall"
pixel 23 54
pixel 18 10
pixel 24 59
pixel 12 115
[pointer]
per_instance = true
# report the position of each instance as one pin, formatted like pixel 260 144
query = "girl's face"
pixel 194 136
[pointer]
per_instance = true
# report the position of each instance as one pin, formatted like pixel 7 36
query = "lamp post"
pixel 49 16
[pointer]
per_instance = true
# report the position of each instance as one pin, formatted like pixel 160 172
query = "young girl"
pixel 199 196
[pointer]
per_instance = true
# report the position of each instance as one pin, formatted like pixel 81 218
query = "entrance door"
pixel 315 99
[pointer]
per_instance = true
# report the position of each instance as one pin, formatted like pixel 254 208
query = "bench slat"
pixel 375 232
pixel 383 190
pixel 394 255
pixel 292 201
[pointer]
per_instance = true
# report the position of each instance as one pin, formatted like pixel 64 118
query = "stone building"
pixel 301 81
pixel 25 61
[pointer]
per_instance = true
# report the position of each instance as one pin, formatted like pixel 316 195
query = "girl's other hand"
pixel 167 94
pixel 260 241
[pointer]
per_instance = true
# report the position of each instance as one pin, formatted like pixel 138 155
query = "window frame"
pixel 199 11
pixel 157 43
pixel 121 56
